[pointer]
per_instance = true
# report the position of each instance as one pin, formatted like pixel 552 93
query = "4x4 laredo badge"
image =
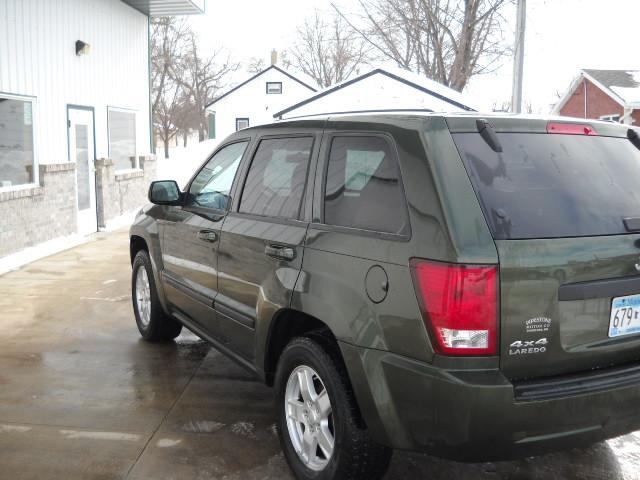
pixel 527 347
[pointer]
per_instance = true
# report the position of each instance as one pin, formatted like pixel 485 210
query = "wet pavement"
pixel 82 397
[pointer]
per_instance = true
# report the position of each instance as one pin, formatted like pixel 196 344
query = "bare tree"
pixel 448 41
pixel 202 77
pixel 166 115
pixel 528 107
pixel 256 65
pixel 168 37
pixel 188 118
pixel 167 103
pixel 505 106
pixel 328 50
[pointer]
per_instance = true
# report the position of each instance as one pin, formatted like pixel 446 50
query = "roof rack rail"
pixel 374 110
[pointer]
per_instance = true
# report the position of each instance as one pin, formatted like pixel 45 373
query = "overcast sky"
pixel 562 37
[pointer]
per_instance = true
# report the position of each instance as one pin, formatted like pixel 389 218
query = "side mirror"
pixel 165 192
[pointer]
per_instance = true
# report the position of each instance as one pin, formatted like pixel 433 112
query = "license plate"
pixel 625 316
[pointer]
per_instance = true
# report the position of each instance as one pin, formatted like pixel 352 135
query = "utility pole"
pixel 518 62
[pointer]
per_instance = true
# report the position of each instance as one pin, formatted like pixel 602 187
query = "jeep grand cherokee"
pixel 455 284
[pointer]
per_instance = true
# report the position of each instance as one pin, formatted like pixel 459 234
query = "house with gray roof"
pixel 612 95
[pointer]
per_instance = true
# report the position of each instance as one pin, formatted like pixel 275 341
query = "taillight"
pixel 459 306
pixel 570 128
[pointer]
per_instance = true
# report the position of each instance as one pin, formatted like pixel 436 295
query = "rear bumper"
pixel 473 415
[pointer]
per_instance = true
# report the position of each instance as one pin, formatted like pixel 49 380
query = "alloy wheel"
pixel 309 418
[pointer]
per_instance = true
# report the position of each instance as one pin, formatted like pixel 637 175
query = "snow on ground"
pixel 183 162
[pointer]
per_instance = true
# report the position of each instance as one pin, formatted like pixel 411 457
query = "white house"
pixel 254 101
pixel 75 134
pixel 381 89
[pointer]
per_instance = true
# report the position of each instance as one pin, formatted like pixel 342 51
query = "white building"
pixel 381 89
pixel 254 101
pixel 74 114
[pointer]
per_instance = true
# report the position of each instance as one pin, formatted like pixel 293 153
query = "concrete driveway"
pixel 82 397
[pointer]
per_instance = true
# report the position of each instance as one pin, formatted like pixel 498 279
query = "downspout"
pixel 627 115
pixel 152 146
pixel 585 98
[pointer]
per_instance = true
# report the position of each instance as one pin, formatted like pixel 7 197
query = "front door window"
pixel 212 186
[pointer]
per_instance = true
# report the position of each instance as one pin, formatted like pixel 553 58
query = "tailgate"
pixel 556 298
pixel 564 210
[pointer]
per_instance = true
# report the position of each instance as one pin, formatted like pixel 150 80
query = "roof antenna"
pixel 488 134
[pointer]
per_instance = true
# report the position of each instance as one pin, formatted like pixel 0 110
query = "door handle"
pixel 280 252
pixel 208 236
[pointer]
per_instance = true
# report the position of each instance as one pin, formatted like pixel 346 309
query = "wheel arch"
pixel 286 324
pixel 137 243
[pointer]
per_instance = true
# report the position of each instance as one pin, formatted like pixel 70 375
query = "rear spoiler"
pixel 517 124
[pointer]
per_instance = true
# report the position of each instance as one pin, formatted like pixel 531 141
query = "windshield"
pixel 549 186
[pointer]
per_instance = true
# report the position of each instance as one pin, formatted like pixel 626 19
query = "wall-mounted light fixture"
pixel 82 48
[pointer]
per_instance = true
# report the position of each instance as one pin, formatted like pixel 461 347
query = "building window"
pixel 17 157
pixel 242 123
pixel 611 118
pixel 274 87
pixel 122 138
pixel 212 125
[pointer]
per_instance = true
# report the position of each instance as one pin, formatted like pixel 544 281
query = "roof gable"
pixel 254 77
pixel 623 86
pixel 423 85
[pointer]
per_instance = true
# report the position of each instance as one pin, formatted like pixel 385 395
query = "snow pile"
pixel 183 162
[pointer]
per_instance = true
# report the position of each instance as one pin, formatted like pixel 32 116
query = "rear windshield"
pixel 549 186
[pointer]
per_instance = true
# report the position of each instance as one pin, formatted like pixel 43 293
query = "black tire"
pixel 161 327
pixel 355 454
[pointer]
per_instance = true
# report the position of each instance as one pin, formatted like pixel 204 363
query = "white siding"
pixel 251 101
pixel 37 58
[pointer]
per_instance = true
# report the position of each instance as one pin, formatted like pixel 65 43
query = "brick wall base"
pixel 120 193
pixel 36 214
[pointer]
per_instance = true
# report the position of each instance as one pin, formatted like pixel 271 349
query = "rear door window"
pixel 277 177
pixel 551 186
pixel 363 188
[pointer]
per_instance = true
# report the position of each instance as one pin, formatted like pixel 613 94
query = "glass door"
pixel 81 151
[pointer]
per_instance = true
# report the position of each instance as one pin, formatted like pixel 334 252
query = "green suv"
pixel 461 285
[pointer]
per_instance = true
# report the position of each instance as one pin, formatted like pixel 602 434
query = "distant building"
pixel 381 89
pixel 603 95
pixel 254 101
pixel 75 133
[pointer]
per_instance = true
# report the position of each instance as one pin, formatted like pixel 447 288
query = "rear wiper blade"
pixel 632 224
pixel 634 138
pixel 488 134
